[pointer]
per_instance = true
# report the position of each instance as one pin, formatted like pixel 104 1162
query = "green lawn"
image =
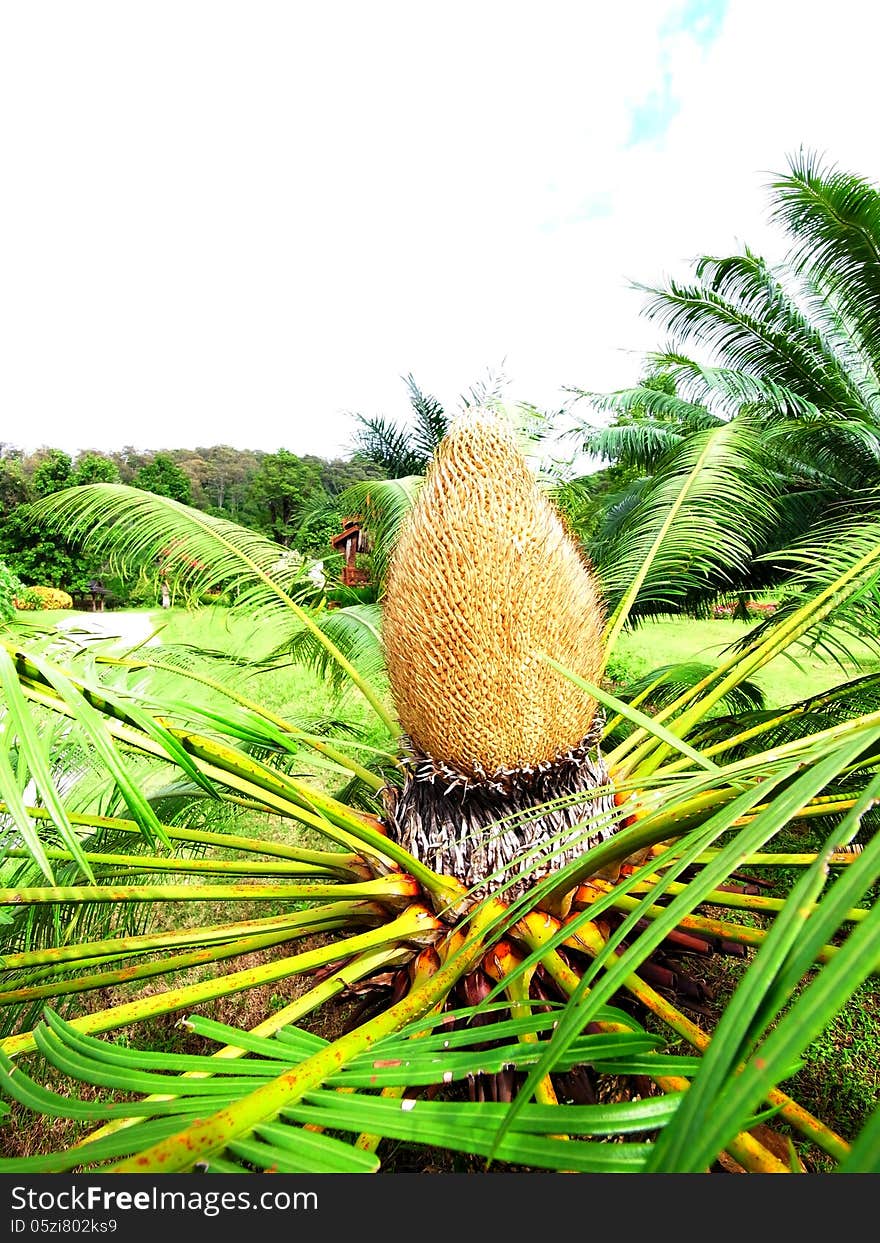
pixel 290 690
pixel 297 691
pixel 287 688
pixel 786 679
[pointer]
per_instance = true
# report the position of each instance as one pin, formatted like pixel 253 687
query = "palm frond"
pixel 133 528
pixel 382 505
pixel 751 1029
pixel 729 390
pixel 833 220
pixel 355 631
pixel 648 424
pixel 699 519
pixel 196 551
pixel 195 1084
pixel 431 424
pixel 742 311
pixel 388 446
pixel 813 564
pixel 663 685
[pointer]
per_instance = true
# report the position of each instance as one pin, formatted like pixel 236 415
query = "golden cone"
pixel 485 579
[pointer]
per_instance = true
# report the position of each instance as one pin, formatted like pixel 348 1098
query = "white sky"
pixel 236 222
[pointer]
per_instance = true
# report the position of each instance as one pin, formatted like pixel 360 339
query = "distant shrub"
pixel 32 598
pixel 745 609
pixel 26 600
pixel 342 596
pixel 222 599
pixel 10 586
pixel 625 668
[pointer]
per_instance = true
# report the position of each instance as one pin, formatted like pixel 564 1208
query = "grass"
pixel 287 688
pixel 244 656
pixel 294 689
pixel 787 679
pixel 279 684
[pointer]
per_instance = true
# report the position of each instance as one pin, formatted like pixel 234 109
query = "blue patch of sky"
pixel 596 206
pixel 650 119
pixel 701 20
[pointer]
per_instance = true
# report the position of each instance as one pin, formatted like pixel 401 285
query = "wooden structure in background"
pixel 92 598
pixel 350 541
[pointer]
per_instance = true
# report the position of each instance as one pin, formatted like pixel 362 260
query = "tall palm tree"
pixel 795 352
pixel 529 977
pixel 402 451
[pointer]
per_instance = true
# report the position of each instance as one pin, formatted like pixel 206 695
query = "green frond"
pixel 382 505
pixel 833 220
pixel 708 505
pixel 198 552
pixel 383 443
pixel 355 631
pixel 663 685
pixel 743 313
pixel 198 1084
pixel 431 424
pixel 729 390
pixel 639 443
pixel 815 562
pixel 135 528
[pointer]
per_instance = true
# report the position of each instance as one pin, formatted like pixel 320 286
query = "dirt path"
pixel 127 628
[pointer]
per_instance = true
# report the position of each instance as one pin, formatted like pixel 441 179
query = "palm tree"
pixel 402 451
pixel 532 982
pixel 794 352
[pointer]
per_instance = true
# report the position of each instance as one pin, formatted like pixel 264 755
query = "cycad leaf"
pixel 723 1088
pixel 355 631
pixel 833 219
pixel 700 518
pixel 198 551
pixel 20 722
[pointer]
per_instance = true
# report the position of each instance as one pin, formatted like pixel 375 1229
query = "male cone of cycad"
pixel 485 581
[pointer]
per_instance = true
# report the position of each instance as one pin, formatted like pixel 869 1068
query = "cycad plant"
pixel 519 1004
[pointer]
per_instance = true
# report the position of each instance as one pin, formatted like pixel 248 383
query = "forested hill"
pixel 290 498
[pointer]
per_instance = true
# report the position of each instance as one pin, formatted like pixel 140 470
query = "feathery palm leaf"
pixel 136 528
pixel 699 519
pixel 793 350
pixel 354 631
pixel 402 451
pixel 833 219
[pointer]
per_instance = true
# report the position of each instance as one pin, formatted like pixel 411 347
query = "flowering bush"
pixel 749 608
pixel 32 598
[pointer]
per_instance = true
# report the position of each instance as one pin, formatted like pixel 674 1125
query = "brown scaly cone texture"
pixel 484 581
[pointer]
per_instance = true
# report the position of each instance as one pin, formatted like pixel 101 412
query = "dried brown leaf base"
pixel 488 828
